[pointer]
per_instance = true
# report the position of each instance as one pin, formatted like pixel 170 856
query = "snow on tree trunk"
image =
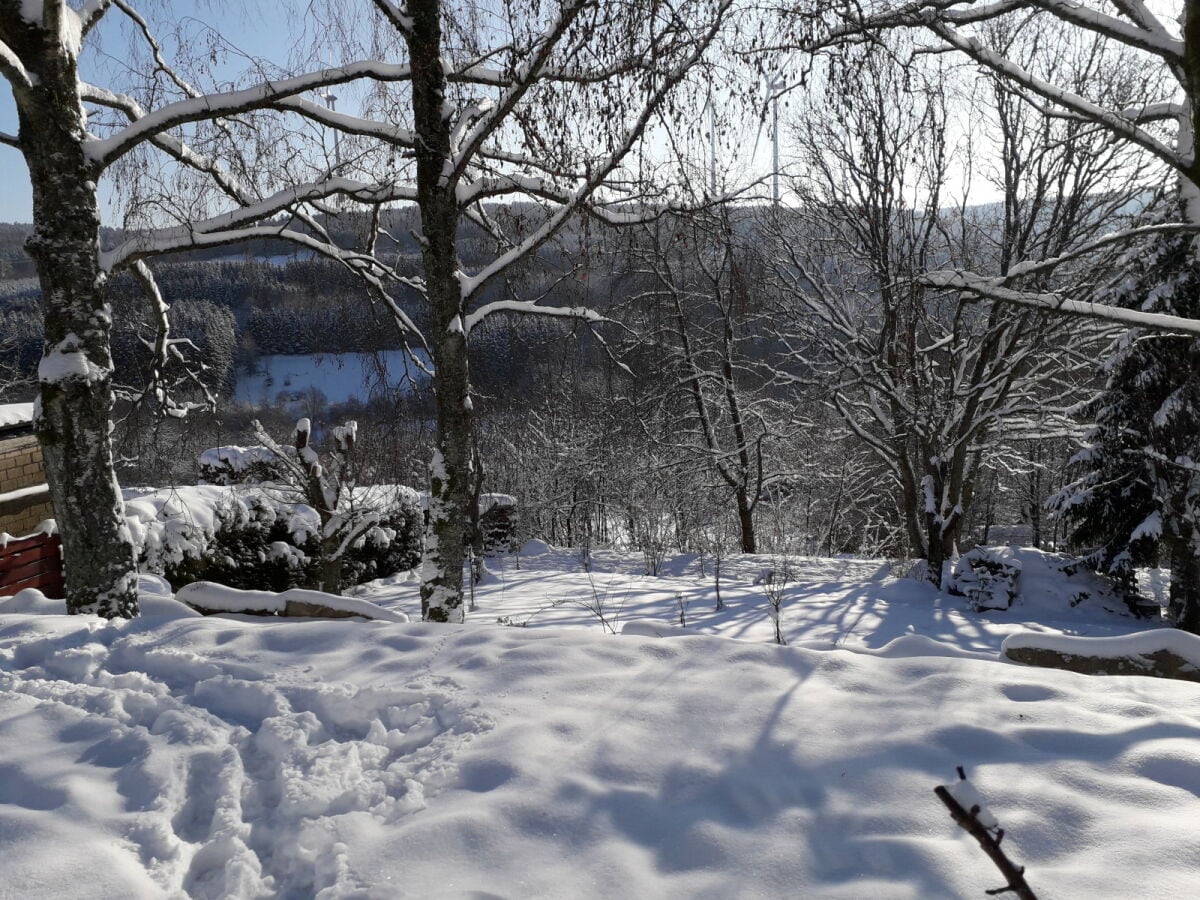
pixel 76 371
pixel 450 480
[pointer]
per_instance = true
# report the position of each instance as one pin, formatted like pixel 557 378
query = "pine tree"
pixel 1137 487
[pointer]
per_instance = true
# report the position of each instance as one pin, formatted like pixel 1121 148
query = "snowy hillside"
pixel 236 757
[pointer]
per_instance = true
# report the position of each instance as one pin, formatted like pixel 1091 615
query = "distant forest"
pixel 257 298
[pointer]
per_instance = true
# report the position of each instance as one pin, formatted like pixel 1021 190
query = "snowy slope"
pixel 339 376
pixel 237 757
pixel 851 604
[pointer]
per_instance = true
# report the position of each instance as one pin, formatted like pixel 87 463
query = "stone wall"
pixel 21 472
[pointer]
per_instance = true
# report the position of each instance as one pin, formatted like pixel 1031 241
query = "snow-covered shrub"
pixel 251 538
pixel 498 523
pixel 392 545
pixel 239 465
pixel 987 580
pixel 250 547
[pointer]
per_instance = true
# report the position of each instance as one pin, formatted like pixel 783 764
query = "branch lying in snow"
pixel 982 825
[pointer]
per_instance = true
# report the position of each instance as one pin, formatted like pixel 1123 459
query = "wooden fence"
pixel 32 562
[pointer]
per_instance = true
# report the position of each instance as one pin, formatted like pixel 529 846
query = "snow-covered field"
pixel 230 757
pixel 340 377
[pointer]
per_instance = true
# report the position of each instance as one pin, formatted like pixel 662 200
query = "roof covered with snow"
pixel 15 414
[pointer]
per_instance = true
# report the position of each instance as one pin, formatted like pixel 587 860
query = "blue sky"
pixel 14 183
pixel 255 29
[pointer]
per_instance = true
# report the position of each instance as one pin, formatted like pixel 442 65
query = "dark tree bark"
pixel 1183 607
pixel 76 392
pixel 450 479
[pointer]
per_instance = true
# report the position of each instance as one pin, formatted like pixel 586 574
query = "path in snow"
pixel 226 779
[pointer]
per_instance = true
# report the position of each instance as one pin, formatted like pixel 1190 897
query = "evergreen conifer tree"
pixel 1137 488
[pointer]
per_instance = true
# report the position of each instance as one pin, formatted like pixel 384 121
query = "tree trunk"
pixel 451 479
pixel 936 557
pixel 75 376
pixel 745 513
pixel 449 489
pixel 331 573
pixel 1183 608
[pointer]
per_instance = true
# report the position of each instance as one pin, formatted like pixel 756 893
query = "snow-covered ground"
pixel 338 376
pixel 229 757
pixel 843 603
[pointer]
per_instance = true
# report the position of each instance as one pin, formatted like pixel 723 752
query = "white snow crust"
pixel 234 757
pixel 15 414
pixel 212 596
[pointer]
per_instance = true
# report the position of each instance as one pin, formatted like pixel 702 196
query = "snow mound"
pixel 216 758
pixel 158 606
pixel 910 646
pixel 1128 646
pixel 535 548
pixel 211 597
pixel 153 585
pixel 31 600
pixel 655 628
pixel 142 762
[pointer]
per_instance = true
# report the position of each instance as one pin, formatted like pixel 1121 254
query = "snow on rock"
pixel 218 598
pixel 15 414
pixel 1166 652
pixel 534 548
pixel 211 597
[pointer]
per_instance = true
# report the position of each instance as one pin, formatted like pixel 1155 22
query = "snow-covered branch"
pixel 581 313
pixel 192 235
pixel 1081 106
pixel 12 68
pixel 993 289
pixel 104 151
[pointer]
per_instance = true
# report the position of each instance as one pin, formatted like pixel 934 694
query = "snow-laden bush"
pixel 986 579
pixel 251 538
pixel 239 465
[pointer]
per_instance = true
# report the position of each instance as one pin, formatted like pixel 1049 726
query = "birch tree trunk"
pixel 75 375
pixel 450 479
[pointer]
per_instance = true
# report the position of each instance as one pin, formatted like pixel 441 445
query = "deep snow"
pixel 223 757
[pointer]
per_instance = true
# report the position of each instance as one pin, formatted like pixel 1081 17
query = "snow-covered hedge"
pixel 251 538
pixel 240 465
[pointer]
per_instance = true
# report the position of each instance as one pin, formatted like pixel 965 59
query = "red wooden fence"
pixel 32 562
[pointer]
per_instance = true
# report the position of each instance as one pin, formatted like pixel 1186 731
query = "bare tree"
pixel 1156 115
pixel 934 387
pixel 702 315
pixel 529 101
